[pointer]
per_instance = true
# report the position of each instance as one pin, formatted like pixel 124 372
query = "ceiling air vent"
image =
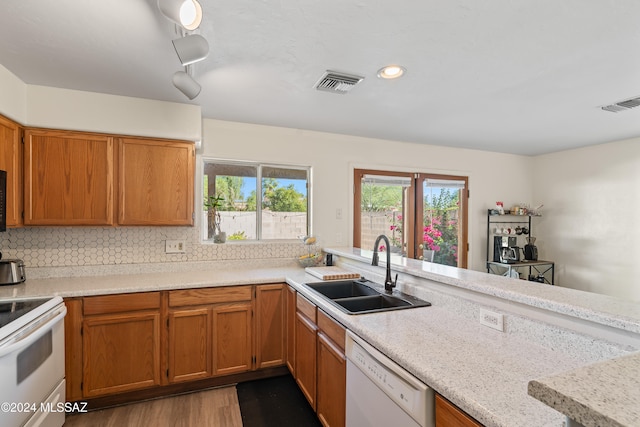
pixel 335 82
pixel 622 105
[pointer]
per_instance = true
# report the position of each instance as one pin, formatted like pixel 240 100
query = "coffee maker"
pixel 530 250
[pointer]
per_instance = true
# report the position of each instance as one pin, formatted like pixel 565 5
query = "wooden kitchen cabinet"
pixel 306 357
pixel 68 178
pixel 449 415
pixel 210 332
pixel 190 349
pixel 320 362
pixel 232 352
pixel 121 343
pixel 270 326
pixel 149 344
pixel 155 183
pixel 290 299
pixel 11 162
pixel 332 372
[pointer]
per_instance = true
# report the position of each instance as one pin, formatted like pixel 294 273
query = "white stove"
pixel 32 362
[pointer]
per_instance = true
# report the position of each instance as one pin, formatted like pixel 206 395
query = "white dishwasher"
pixel 381 393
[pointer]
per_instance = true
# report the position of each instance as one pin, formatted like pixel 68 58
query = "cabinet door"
pixel 232 352
pixel 449 415
pixel 332 383
pixel 270 322
pixel 291 329
pixel 306 357
pixel 189 344
pixel 68 178
pixel 121 352
pixel 11 162
pixel 155 184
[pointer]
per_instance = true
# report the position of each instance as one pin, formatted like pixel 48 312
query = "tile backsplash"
pixel 85 246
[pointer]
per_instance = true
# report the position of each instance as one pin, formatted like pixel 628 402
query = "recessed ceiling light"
pixel 391 72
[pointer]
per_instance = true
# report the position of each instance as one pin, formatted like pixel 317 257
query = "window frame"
pixel 413 236
pixel 259 166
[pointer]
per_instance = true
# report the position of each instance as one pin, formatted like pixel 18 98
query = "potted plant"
pixel 213 204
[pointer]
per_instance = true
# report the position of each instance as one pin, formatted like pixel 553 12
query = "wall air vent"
pixel 336 82
pixel 622 105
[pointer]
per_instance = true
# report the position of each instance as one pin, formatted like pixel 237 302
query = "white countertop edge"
pixel 601 309
pixel 616 403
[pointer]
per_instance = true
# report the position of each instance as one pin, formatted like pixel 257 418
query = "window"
pixel 424 215
pixel 258 201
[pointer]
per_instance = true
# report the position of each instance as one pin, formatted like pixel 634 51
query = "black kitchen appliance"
pixel 500 242
pixel 530 250
pixel 510 255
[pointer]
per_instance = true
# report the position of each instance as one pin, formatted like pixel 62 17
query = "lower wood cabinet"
pixel 331 372
pixel 449 415
pixel 191 344
pixel 270 326
pixel 305 376
pixel 232 337
pixel 121 344
pixel 320 362
pixel 130 342
pixel 290 298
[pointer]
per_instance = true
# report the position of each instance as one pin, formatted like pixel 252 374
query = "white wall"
pixel 13 96
pixel 49 107
pixel 333 157
pixel 591 227
pixel 71 109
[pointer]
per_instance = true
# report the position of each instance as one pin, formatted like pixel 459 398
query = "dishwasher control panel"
pixel 411 394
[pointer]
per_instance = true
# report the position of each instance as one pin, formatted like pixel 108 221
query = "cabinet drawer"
pixel 332 329
pixel 209 295
pixel 306 307
pixel 120 303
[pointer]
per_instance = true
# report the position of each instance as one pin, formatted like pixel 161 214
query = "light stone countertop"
pixel 484 372
pixel 605 393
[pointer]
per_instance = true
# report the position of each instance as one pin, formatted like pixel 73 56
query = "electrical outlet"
pixel 338 213
pixel 492 320
pixel 338 238
pixel 174 247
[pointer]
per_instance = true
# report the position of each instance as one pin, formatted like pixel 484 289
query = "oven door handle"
pixel 34 334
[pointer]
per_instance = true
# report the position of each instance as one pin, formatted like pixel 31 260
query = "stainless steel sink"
pixel 363 296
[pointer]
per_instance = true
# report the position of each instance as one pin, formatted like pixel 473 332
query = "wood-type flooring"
pixel 210 408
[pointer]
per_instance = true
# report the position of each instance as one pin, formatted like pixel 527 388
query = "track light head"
pixel 191 48
pixel 187 13
pixel 186 84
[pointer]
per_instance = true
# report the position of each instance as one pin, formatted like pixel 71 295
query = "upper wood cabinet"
pixel 155 183
pixel 68 178
pixel 11 162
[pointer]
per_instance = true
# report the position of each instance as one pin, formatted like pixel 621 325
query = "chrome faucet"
pixel 388 283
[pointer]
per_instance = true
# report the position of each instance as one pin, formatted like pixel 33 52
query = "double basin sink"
pixel 363 296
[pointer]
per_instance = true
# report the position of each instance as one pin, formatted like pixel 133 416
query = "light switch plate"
pixel 174 247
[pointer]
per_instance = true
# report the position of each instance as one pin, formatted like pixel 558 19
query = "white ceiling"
pixel 513 76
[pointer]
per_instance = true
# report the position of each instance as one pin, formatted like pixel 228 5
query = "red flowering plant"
pixel 440 231
pixel 395 229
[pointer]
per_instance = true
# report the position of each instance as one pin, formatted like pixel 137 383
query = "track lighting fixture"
pixel 187 13
pixel 186 84
pixel 191 48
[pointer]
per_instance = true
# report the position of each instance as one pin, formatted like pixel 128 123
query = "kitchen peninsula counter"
pixel 484 372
